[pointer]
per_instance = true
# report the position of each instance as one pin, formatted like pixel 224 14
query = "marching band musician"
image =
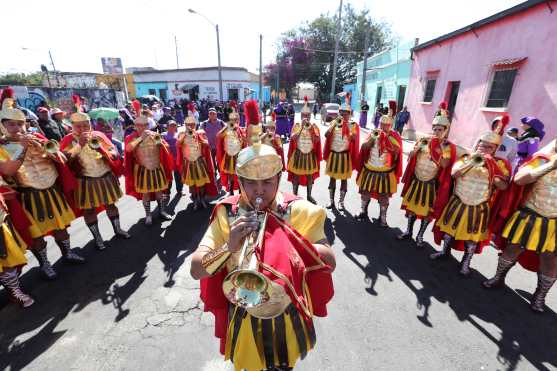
pixel 37 170
pixel 267 250
pixel 429 165
pixel 195 164
pixel 380 166
pixel 271 138
pixel 230 141
pixel 148 167
pixel 342 142
pixel 304 153
pixel 465 222
pixel 95 163
pixel 531 214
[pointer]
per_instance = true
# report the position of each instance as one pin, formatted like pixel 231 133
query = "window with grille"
pixel 429 90
pixel 501 88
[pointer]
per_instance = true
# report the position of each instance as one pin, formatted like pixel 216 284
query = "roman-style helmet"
pixel 140 117
pixel 389 117
pixel 442 117
pixel 498 129
pixel 78 115
pixel 305 109
pixel 346 105
pixel 9 110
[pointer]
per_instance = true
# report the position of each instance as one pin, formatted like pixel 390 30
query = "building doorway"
pixel 454 86
pixel 233 94
pixel 400 96
pixel 378 95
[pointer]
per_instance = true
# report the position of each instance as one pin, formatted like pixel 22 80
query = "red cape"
pixel 280 239
pixel 221 153
pixel 316 149
pixel 211 188
pixel 277 145
pixel 509 202
pixel 19 219
pixel 114 163
pixel 385 145
pixel 166 160
pixel 443 177
pixel 353 148
pixel 445 192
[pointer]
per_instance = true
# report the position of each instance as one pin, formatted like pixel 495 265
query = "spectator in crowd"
pixel 378 114
pixel 166 117
pixel 315 110
pixel 508 147
pixel 402 119
pixel 529 141
pixel 105 128
pixel 50 128
pixel 171 136
pixel 126 121
pixel 178 114
pixel 58 115
pixel 211 127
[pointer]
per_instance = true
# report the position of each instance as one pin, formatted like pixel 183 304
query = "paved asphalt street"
pixel 135 306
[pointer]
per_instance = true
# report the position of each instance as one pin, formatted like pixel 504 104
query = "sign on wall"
pixel 112 65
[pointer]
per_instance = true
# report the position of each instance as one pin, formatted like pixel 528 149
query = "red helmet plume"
pixel 251 110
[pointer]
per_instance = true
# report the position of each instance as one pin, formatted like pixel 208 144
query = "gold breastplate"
pixel 92 162
pixel 340 143
pixel 376 160
pixel 473 187
pixel 191 148
pixel 426 169
pixel 148 154
pixel 305 141
pixel 37 171
pixel 232 144
pixel 543 196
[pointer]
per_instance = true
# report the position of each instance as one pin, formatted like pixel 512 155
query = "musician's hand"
pixel 553 161
pixel 27 140
pixel 145 134
pixel 240 228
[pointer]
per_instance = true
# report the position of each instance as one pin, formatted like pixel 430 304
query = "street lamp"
pixel 218 49
pixel 51 62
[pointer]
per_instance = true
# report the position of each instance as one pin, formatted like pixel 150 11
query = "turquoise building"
pixel 387 77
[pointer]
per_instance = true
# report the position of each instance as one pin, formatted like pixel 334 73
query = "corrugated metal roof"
pixel 509 61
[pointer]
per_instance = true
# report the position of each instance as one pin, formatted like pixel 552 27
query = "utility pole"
pixel 220 68
pixel 176 45
pixel 337 39
pixel 364 69
pixel 260 71
pixel 277 82
pixel 54 68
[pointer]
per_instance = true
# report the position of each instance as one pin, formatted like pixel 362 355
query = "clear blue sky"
pixel 142 32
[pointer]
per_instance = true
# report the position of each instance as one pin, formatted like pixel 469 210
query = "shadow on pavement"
pixel 98 279
pixel 522 332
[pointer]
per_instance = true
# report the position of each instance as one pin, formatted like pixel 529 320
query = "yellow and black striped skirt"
pixel 303 163
pixel 12 247
pixel 465 222
pixel 531 231
pixel 420 197
pixel 95 192
pixel 228 164
pixel 147 181
pixel 339 165
pixel 377 182
pixel 47 209
pixel 195 173
pixel 260 344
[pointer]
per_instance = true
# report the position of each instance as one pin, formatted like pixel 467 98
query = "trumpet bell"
pixel 51 146
pixel 247 288
pixel 157 138
pixel 95 143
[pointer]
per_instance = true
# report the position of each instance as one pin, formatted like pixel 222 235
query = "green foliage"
pixel 31 79
pixel 305 53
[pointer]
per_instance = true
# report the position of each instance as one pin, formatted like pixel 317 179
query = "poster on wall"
pixel 112 66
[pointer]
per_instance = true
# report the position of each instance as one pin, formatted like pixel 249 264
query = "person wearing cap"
pixel 37 170
pixel 58 116
pixel 211 127
pixel 271 138
pixel 230 141
pixel 529 140
pixel 148 166
pixel 96 164
pixel 193 162
pixel 51 129
pixel 465 223
pixel 270 325
pixel 166 117
pixel 280 116
pixel 531 227
pixel 380 166
pixel 304 153
pixel 342 143
pixel 429 166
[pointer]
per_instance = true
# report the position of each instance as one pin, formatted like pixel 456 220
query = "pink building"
pixel 503 63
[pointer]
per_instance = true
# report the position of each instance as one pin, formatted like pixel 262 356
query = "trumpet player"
pixel 271 138
pixel 380 166
pixel 429 166
pixel 195 164
pixel 230 141
pixel 148 166
pixel 464 223
pixel 531 215
pixel 96 165
pixel 283 239
pixel 342 142
pixel 37 170
pixel 304 153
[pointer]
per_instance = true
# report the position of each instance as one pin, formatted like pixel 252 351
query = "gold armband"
pixel 215 259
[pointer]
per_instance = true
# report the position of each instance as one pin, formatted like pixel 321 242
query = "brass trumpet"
pixel 51 146
pixel 376 133
pixel 424 144
pixel 246 286
pixel 94 143
pixel 157 138
pixel 477 160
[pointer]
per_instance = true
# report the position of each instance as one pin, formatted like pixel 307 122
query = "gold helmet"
pixel 346 105
pixel 190 119
pixel 389 117
pixel 140 117
pixel 442 117
pixel 258 162
pixel 9 110
pixel 498 129
pixel 78 116
pixel 305 109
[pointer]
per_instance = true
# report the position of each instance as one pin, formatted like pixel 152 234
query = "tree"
pixel 306 54
pixel 35 78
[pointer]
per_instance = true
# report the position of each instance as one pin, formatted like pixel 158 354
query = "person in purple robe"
pixel 291 116
pixel 529 141
pixel 364 108
pixel 281 117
